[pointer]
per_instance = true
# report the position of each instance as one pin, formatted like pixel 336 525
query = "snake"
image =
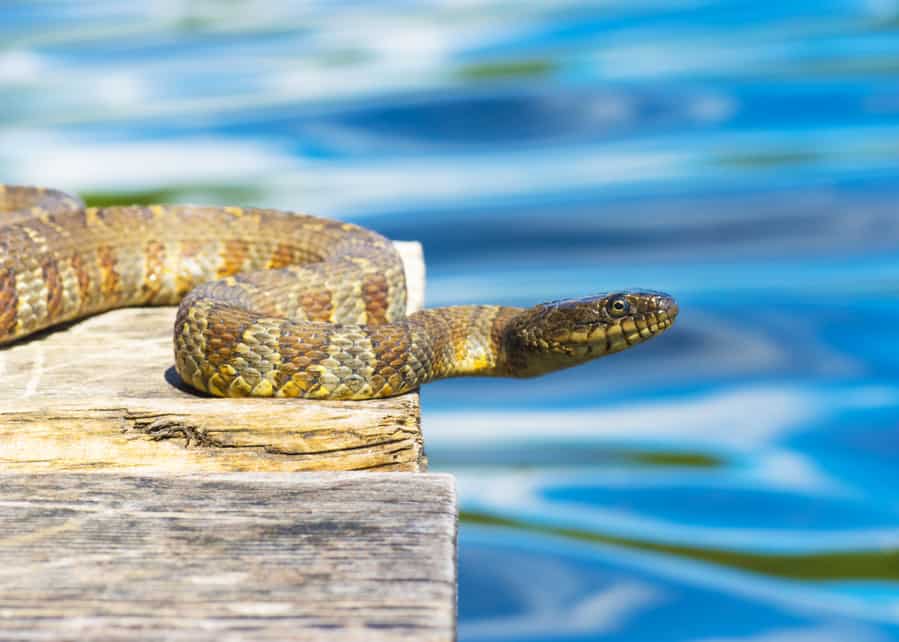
pixel 273 303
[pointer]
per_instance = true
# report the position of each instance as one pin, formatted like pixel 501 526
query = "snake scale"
pixel 274 303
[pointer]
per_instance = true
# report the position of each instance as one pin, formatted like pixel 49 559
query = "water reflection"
pixel 604 592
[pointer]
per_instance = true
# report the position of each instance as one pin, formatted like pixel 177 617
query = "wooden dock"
pixel 238 556
pixel 132 508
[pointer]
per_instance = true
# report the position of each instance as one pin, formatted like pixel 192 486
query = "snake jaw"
pixel 561 334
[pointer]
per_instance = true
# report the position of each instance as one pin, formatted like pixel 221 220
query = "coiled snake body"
pixel 280 304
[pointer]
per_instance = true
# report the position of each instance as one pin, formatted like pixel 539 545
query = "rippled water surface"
pixel 732 480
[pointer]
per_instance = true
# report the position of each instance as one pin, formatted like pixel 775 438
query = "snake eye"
pixel 618 307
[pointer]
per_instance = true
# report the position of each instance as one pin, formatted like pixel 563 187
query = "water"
pixel 732 480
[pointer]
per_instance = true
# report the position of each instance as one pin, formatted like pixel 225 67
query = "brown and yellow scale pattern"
pixel 274 303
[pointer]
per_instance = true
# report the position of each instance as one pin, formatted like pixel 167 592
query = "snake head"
pixel 560 334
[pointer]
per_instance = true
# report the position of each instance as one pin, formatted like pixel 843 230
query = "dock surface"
pixel 239 556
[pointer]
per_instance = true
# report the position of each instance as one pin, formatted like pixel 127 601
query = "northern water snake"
pixel 274 303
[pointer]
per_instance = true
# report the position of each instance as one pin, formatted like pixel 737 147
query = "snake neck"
pixel 462 341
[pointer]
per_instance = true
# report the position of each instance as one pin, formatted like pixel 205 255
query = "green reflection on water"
pixel 344 57
pixel 769 159
pixel 568 457
pixel 850 565
pixel 884 66
pixel 221 194
pixel 507 69
pixel 672 459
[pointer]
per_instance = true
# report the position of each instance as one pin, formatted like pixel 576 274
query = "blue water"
pixel 733 480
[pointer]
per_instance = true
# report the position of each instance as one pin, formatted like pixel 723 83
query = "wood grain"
pixel 69 402
pixel 339 556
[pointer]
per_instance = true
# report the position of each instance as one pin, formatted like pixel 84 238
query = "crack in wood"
pixel 167 427
pixel 172 428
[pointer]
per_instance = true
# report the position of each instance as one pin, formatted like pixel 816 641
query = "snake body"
pixel 274 303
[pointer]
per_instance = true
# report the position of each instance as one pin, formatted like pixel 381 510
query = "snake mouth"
pixel 664 316
pixel 670 308
pixel 660 315
pixel 645 315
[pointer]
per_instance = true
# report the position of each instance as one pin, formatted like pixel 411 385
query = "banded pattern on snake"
pixel 273 303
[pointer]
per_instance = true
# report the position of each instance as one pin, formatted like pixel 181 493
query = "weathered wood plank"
pixel 339 556
pixel 69 401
